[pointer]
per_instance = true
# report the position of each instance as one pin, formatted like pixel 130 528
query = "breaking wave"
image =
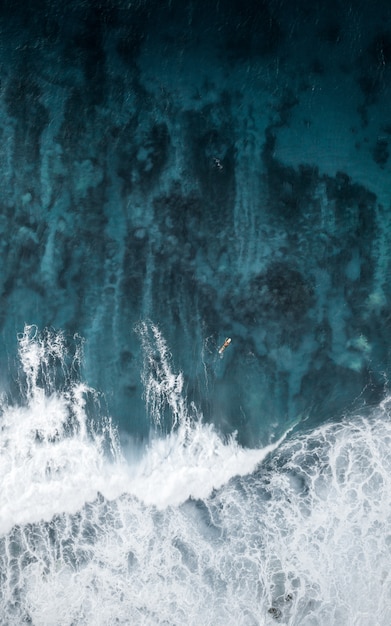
pixel 191 528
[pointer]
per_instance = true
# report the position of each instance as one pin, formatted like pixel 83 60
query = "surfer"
pixel 225 344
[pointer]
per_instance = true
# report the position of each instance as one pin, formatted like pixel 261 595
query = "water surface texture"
pixel 174 174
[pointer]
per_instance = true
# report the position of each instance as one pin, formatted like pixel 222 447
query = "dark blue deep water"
pixel 174 174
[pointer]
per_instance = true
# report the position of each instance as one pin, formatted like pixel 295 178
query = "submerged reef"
pixel 151 169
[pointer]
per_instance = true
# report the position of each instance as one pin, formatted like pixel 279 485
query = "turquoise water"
pixel 173 175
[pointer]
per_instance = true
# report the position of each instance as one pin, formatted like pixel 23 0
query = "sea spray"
pixel 53 456
pixel 162 387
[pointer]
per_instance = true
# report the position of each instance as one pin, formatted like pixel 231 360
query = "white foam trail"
pixel 162 386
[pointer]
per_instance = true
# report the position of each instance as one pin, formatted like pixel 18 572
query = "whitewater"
pixel 190 528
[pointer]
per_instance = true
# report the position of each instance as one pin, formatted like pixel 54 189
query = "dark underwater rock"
pixel 381 152
pixel 282 290
pixel 252 29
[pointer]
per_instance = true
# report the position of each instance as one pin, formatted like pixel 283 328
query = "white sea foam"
pixel 50 461
pixel 91 538
pixel 53 458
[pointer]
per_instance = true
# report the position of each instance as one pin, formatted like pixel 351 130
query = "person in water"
pixel 225 344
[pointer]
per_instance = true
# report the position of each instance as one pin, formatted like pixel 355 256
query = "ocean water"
pixel 195 413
